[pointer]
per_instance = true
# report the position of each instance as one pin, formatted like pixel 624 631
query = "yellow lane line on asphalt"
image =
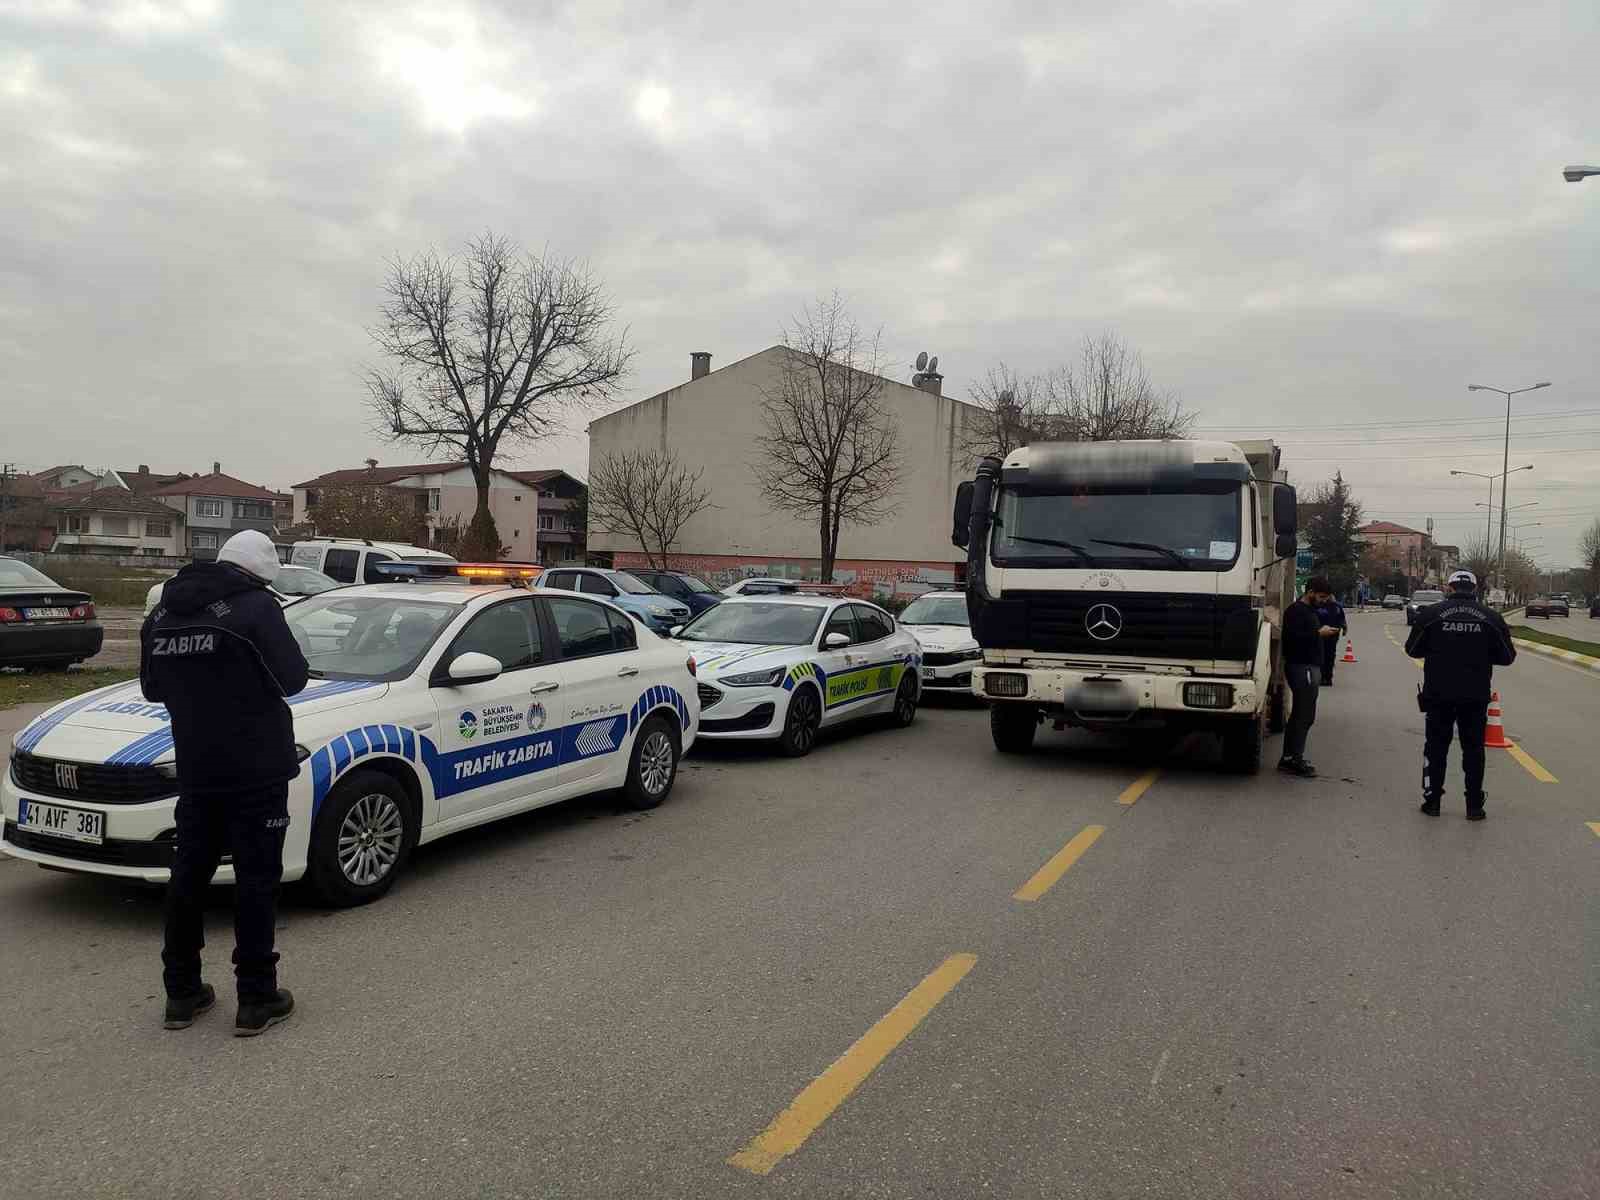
pixel 1401 646
pixel 1595 826
pixel 1141 785
pixel 1045 877
pixel 790 1128
pixel 1531 764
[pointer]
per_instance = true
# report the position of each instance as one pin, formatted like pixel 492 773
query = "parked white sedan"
pixel 786 667
pixel 433 707
pixel 939 622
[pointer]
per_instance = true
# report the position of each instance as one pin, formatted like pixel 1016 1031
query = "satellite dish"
pixel 933 365
pixel 922 360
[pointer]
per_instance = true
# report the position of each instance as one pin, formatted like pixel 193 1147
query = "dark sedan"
pixel 43 624
pixel 1546 606
pixel 696 593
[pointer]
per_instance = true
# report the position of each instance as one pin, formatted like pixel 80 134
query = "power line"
pixel 1426 422
pixel 1345 458
pixel 1449 437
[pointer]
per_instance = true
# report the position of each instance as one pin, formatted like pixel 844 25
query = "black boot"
pixel 1296 766
pixel 1475 807
pixel 260 1013
pixel 182 1010
pixel 1430 805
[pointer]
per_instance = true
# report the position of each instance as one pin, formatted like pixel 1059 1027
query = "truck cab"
pixel 1126 584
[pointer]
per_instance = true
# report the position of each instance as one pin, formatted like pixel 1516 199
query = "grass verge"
pixel 1592 649
pixel 18 687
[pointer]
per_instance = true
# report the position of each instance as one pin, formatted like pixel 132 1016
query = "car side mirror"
pixel 1286 546
pixel 961 518
pixel 836 641
pixel 473 667
pixel 1283 510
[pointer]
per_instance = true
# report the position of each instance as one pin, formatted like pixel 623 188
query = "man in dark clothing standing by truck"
pixel 1461 642
pixel 218 653
pixel 1332 615
pixel 1303 636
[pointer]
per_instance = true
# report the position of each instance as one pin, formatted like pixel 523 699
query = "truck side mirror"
pixel 1285 546
pixel 961 530
pixel 1283 510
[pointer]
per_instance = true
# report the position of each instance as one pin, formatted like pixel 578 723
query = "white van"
pixel 355 560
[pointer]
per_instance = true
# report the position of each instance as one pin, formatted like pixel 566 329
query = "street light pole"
pixel 1488 517
pixel 1505 463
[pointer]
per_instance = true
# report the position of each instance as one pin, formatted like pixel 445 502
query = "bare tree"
pixel 1011 412
pixel 1478 556
pixel 487 346
pixel 829 450
pixel 1589 548
pixel 648 495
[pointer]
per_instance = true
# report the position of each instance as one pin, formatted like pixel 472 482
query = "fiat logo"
pixel 67 776
pixel 1103 622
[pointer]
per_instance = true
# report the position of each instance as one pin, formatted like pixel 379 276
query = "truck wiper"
pixel 1073 546
pixel 1151 546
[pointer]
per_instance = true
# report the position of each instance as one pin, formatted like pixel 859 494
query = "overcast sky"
pixel 1303 215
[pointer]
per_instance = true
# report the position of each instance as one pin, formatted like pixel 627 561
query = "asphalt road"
pixel 1241 987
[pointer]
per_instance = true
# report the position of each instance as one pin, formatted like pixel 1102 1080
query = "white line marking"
pixel 1161 1065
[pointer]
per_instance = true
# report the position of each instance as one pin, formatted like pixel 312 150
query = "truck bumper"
pixel 1111 698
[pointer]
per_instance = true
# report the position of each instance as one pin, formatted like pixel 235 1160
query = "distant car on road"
pixel 658 612
pixel 1546 606
pixel 1394 601
pixel 43 624
pixel 686 589
pixel 1419 601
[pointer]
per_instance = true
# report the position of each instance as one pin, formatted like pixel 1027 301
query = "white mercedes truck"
pixel 1118 585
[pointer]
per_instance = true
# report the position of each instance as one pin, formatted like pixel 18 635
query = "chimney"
pixel 699 364
pixel 216 468
pixel 372 464
pixel 144 468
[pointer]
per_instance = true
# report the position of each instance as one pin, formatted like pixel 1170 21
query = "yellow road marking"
pixel 1595 826
pixel 790 1128
pixel 1401 646
pixel 1531 764
pixel 1141 785
pixel 1044 879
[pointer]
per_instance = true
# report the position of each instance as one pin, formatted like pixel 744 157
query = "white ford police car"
pixel 786 667
pixel 434 705
pixel 939 622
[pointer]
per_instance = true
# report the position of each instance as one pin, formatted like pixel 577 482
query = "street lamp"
pixel 1576 174
pixel 1490 514
pixel 1505 461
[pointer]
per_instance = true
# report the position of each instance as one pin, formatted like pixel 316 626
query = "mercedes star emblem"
pixel 1103 622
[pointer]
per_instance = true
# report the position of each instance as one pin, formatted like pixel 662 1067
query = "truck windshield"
pixel 1157 531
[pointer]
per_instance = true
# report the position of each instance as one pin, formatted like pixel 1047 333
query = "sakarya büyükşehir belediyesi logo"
pixel 535 717
pixel 469 725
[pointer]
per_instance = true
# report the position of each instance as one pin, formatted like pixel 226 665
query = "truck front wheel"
pixel 1013 726
pixel 1241 746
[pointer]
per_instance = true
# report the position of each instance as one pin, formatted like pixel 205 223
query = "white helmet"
pixel 1464 579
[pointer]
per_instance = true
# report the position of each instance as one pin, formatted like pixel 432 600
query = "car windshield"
pixel 630 585
pixel 695 585
pixel 769 624
pixel 1156 531
pixel 303 581
pixel 365 637
pixel 17 574
pixel 936 610
pixel 1426 597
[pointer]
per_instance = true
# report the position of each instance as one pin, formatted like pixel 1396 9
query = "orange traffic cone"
pixel 1349 651
pixel 1494 734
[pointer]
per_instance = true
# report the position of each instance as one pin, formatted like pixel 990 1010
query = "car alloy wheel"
pixel 802 721
pixel 905 701
pixel 655 762
pixel 370 838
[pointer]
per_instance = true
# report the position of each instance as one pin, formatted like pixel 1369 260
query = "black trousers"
pixel 1444 719
pixel 250 824
pixel 1330 655
pixel 1304 680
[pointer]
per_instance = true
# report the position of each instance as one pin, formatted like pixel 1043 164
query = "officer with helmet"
pixel 1460 641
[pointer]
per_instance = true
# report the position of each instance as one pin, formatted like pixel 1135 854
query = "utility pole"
pixel 6 471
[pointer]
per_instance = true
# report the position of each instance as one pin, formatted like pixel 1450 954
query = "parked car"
pixel 1394 601
pixel 658 612
pixel 290 583
pixel 355 560
pixel 757 586
pixel 1419 601
pixel 939 622
pixel 695 592
pixel 43 624
pixel 433 707
pixel 1594 607
pixel 783 668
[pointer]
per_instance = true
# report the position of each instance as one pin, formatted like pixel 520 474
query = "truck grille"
pixel 95 782
pixel 1153 625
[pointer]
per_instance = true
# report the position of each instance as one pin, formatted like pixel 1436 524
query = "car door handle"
pixel 546 686
pixel 626 671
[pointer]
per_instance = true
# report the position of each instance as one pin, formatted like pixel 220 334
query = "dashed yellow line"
pixel 790 1129
pixel 1531 764
pixel 1401 646
pixel 1141 785
pixel 1045 877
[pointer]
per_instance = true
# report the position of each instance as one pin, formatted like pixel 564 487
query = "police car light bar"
pixel 511 573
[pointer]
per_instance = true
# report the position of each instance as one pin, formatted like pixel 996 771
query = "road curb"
pixel 1571 656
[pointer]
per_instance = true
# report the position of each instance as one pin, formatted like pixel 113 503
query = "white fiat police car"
pixel 939 622
pixel 434 705
pixel 786 667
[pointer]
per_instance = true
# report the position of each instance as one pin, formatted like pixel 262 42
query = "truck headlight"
pixel 1005 683
pixel 1208 695
pixel 770 678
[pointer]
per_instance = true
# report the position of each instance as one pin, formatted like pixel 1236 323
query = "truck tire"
pixel 1013 726
pixel 1277 709
pixel 1241 746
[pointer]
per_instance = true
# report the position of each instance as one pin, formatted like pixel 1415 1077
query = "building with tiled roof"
pixel 217 506
pixel 116 521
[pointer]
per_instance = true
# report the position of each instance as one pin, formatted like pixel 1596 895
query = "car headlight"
pixel 967 655
pixel 769 678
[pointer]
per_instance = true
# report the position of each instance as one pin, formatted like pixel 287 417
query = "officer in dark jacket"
pixel 1332 614
pixel 218 653
pixel 1460 642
